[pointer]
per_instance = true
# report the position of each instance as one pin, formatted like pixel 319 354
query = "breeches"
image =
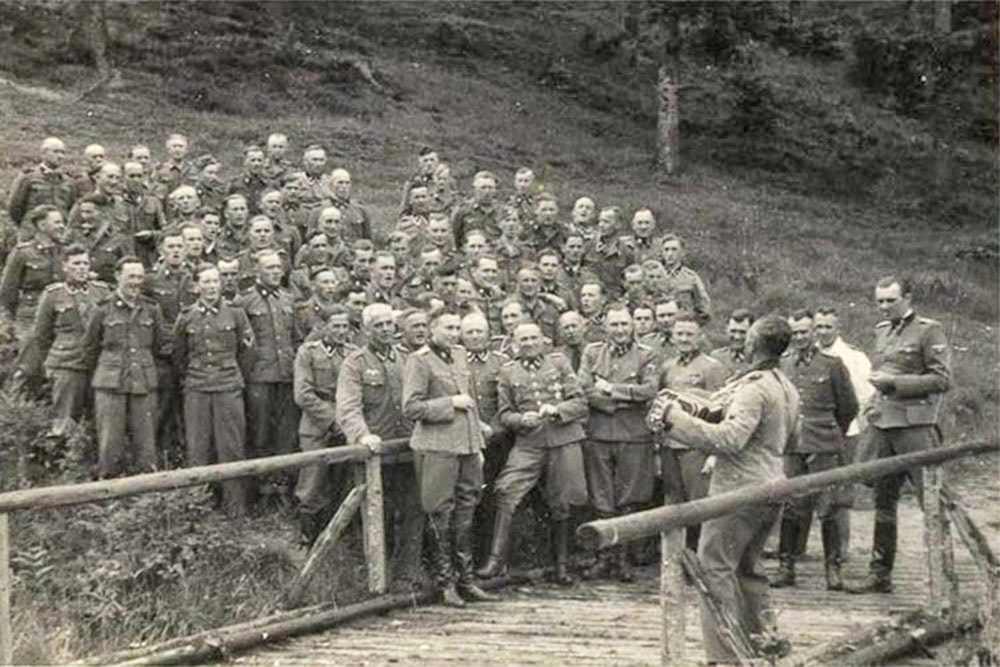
pixel 560 467
pixel 619 474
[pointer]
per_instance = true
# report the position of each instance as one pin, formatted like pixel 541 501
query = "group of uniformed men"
pixel 206 320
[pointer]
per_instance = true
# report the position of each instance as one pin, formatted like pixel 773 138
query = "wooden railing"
pixel 366 497
pixel 668 521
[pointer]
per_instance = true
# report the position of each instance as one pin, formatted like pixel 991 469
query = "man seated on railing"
pixel 758 422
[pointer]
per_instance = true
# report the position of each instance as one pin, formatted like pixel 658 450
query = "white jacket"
pixel 860 369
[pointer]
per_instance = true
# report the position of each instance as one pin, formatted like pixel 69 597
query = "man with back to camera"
pixel 911 372
pixel 759 421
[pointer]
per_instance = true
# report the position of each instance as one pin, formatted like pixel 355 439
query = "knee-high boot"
pixel 496 564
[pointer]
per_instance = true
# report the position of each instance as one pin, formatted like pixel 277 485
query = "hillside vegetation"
pixel 815 158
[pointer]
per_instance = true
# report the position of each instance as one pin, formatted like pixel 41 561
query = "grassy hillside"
pixel 810 207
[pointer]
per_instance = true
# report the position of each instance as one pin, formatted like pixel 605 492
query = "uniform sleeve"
pixel 10 283
pixel 586 375
pixel 180 351
pixel 936 378
pixel 507 409
pixel 845 401
pixel 349 409
pixel 92 338
pixel 574 405
pixel 731 435
pixel 418 405
pixel 18 199
pixel 304 387
pixel 246 342
pixel 163 343
pixel 43 334
pixel 642 391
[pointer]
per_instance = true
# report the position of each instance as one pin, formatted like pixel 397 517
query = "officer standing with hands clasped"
pixel 760 416
pixel 447 442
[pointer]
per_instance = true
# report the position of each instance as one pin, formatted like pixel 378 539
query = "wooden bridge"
pixel 619 624
pixel 590 623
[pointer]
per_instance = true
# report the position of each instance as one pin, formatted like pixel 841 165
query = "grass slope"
pixel 496 86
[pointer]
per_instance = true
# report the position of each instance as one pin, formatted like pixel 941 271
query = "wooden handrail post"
pixel 369 473
pixel 672 594
pixel 6 635
pixel 934 541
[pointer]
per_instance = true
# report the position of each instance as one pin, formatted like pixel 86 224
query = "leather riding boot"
pixel 622 564
pixel 465 586
pixel 884 547
pixel 439 545
pixel 831 553
pixel 560 552
pixel 602 566
pixel 786 573
pixel 496 564
pixel 787 547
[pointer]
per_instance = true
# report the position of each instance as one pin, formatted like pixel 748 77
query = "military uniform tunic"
pixel 37 186
pixel 619 454
pixel 212 344
pixel 272 416
pixel 317 365
pixel 33 266
pixel 687 287
pixel 550 451
pixel 123 341
pixel 904 418
pixel 57 338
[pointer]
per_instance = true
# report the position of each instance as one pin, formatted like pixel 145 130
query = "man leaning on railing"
pixel 759 421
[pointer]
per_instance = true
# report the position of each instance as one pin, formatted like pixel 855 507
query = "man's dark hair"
pixel 742 315
pixel 73 250
pixel 905 284
pixel 801 314
pixel 687 316
pixel 39 213
pixel 827 309
pixel 336 309
pixel 436 315
pixel 773 335
pixel 127 259
pixel 201 268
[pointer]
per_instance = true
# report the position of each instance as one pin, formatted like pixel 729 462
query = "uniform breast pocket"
pixel 225 338
pixel 372 385
pixel 114 329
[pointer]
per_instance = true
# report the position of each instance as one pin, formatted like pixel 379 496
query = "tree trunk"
pixel 942 162
pixel 942 17
pixel 668 123
pixel 96 33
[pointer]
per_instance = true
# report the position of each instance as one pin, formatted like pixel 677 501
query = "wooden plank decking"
pixel 609 624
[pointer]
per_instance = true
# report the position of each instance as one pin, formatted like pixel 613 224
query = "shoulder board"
pixel 313 343
pixel 54 286
pixel 718 352
pixel 883 323
pixel 187 308
pixel 29 168
pixel 101 284
pixel 460 348
pixel 643 346
pixel 556 354
pixel 25 244
pixel 786 353
pixel 502 356
pixel 422 350
pixel 497 338
pixel 927 321
pixel 508 362
pixel 752 377
pixel 827 353
pixel 593 345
